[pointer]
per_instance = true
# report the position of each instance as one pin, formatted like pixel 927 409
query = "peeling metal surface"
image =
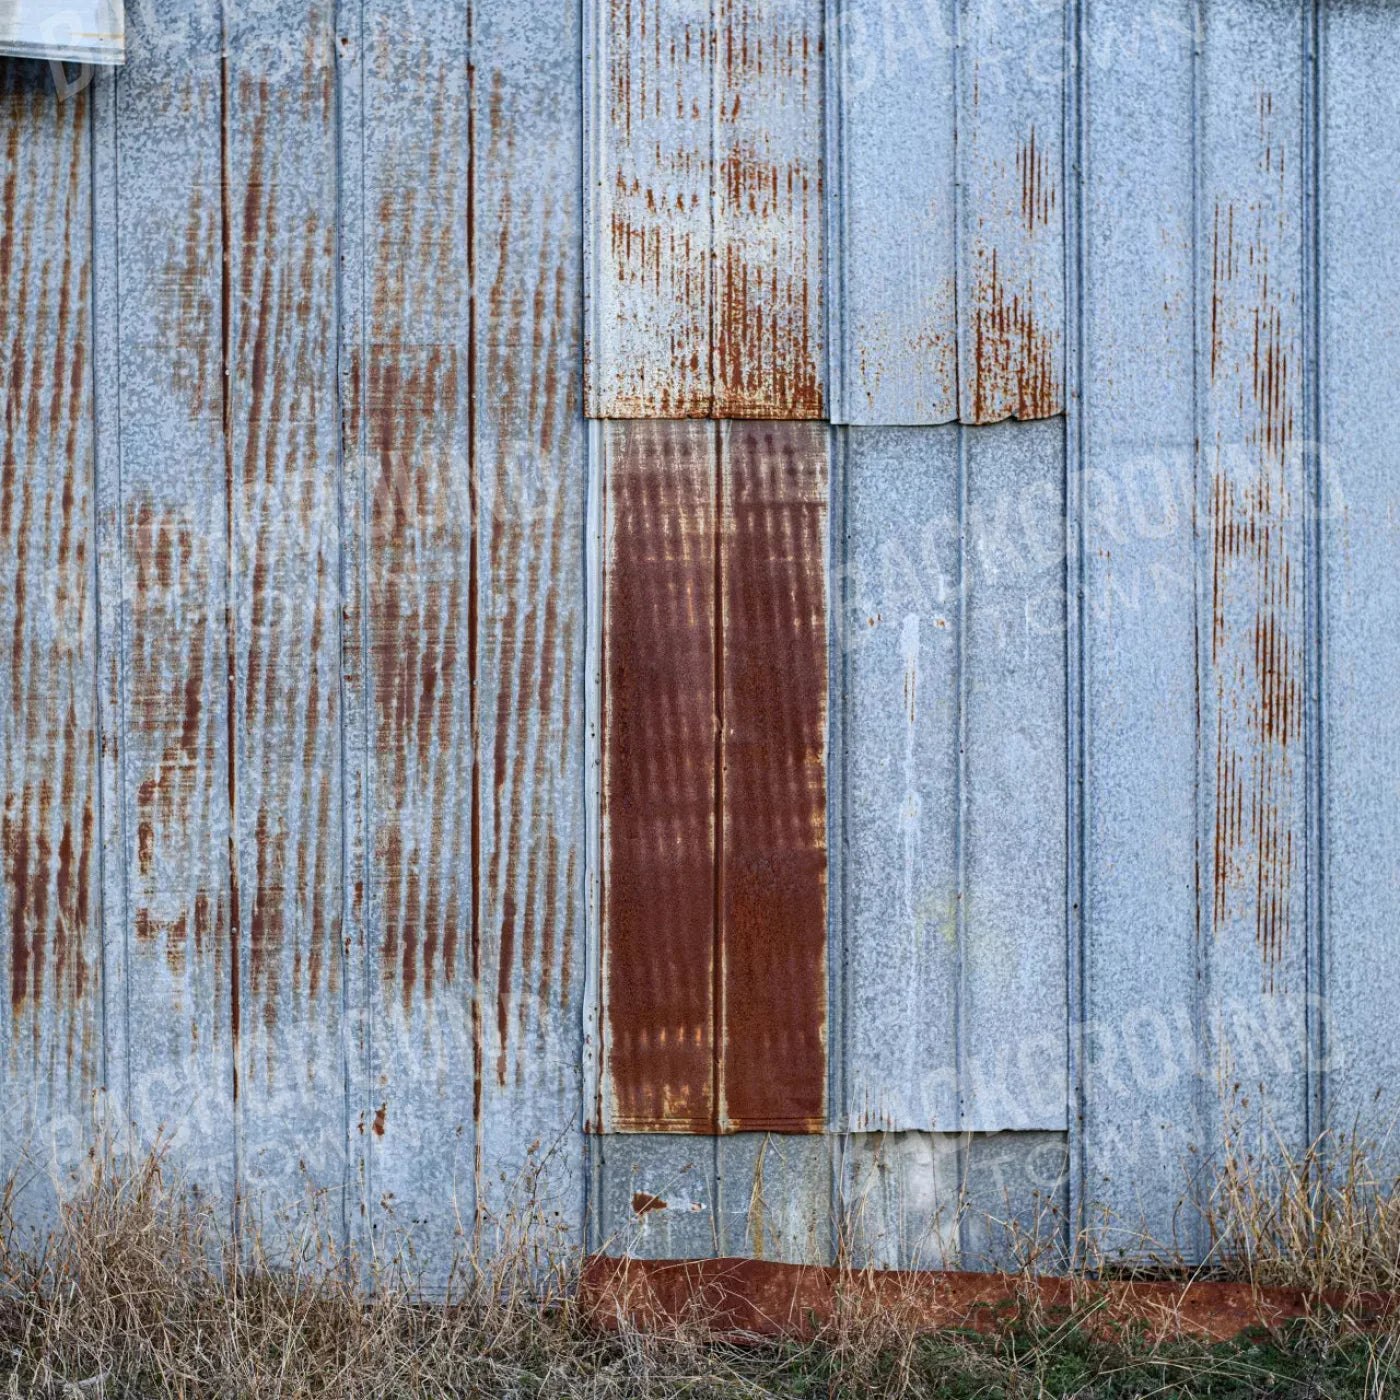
pixel 714 904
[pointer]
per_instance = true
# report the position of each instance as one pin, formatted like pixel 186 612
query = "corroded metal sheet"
pixel 530 479
pixel 77 31
pixel 714 857
pixel 954 733
pixel 169 561
pixel 659 776
pixel 420 576
pixel 1195 929
pixel 51 1024
pixel 705 218
pixel 947 269
pixel 284 506
pixel 1011 254
pixel 1360 534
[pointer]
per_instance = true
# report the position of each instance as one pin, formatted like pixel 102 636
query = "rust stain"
pixel 739 1299
pixel 715 224
pixel 187 317
pixel 772 877
pixel 643 1203
pixel 529 318
pixel 659 776
pixel 285 495
pixel 380 1115
pixel 714 778
pixel 48 840
pixel 419 545
pixel 1256 576
pixel 1014 358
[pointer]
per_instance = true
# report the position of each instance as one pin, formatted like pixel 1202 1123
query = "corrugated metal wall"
pixel 977 780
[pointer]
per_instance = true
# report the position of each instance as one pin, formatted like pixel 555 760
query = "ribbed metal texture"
pixel 687 833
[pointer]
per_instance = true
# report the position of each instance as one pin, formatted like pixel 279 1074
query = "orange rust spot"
pixel 381 1113
pixel 642 1203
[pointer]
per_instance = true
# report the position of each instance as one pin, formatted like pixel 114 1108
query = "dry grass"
pixel 136 1292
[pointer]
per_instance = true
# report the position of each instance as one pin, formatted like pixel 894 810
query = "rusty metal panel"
pixel 947 264
pixel 1360 498
pixel 1251 497
pixel 531 479
pixel 1195 927
pixel 51 1022
pixel 659 776
pixel 1011 259
pixel 953 715
pixel 713 786
pixel 705 216
pixel 419 628
pixel 280 166
pixel 181 916
pixel 77 31
pixel 772 677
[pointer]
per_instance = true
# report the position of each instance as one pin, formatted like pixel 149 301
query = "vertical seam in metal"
pixel 838 688
pixel 230 615
pixel 833 98
pixel 719 1117
pixel 1315 538
pixel 474 638
pixel 346 1041
pixel 960 1006
pixel 367 671
pixel 1204 935
pixel 595 986
pixel 1076 688
pixel 712 271
pixel 958 210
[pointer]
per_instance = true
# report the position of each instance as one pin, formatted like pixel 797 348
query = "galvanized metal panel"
pixel 1194 575
pixel 1011 258
pixel 705 214
pixel 919 1200
pixel 893 188
pixel 51 1022
pixel 1359 248
pixel 713 778
pixel 420 629
pixel 78 31
pixel 182 918
pixel 1141 940
pixel 284 493
pixel 954 947
pixel 530 478
pixel 948 274
pixel 759 1195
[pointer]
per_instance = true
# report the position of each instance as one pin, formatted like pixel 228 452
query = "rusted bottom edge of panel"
pixel 739 1299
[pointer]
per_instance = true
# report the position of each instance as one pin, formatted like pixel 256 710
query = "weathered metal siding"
pixel 77 31
pixel 698 836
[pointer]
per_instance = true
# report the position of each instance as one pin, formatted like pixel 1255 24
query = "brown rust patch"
pixel 644 1204
pixel 772 878
pixel 659 776
pixel 714 778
